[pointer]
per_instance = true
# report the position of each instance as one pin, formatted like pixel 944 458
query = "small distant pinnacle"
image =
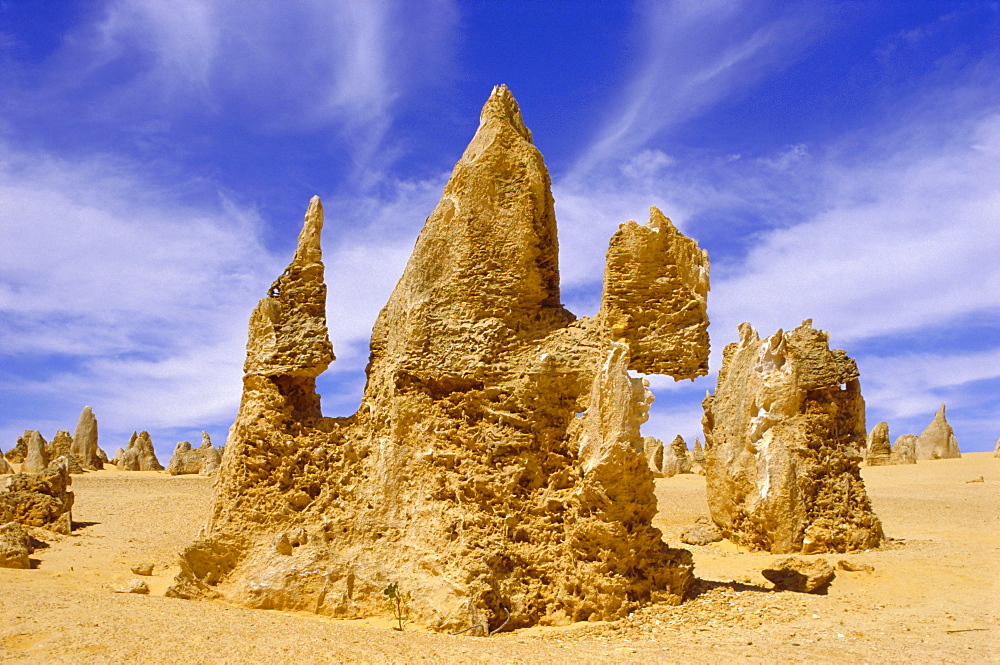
pixel 502 106
pixel 308 250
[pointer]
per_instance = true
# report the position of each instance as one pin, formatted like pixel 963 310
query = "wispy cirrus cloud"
pixel 695 54
pixel 151 69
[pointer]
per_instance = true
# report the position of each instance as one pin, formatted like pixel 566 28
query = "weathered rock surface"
pixel 15 546
pixel 904 450
pixel 139 455
pixel 211 461
pixel 84 447
pixel 681 454
pixel 134 585
pixel 37 457
pixel 145 569
pixel 204 460
pixel 996 450
pixel 495 464
pixel 938 440
pixel 653 450
pixel 17 454
pixel 39 499
pixel 698 458
pixel 782 435
pixel 702 532
pixel 878 452
pixel 795 574
pixel 659 307
pixel 5 466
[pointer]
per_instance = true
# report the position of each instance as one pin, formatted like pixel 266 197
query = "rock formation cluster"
pixel 39 499
pixel 204 460
pixel 495 466
pixel 938 441
pixel 878 451
pixel 783 433
pixel 138 455
pixel 81 451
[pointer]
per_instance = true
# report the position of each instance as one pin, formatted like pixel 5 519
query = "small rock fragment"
pixel 143 569
pixel 795 574
pixel 134 585
pixel 978 479
pixel 854 566
pixel 702 532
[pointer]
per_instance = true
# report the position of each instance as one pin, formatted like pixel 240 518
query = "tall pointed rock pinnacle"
pixel 488 254
pixel 288 334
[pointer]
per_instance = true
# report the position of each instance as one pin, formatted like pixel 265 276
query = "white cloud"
pixel 686 67
pixel 120 298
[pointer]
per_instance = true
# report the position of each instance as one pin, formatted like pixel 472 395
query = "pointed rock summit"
pixel 84 447
pixel 938 440
pixel 495 468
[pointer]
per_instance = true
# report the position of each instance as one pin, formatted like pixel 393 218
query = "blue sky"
pixel 839 160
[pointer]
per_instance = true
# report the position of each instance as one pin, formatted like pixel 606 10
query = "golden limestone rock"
pixel 878 451
pixel 139 455
pixel 656 298
pixel 84 447
pixel 782 435
pixel 495 469
pixel 904 449
pixel 938 441
pixel 203 460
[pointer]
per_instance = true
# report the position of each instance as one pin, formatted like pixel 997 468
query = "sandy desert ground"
pixel 933 595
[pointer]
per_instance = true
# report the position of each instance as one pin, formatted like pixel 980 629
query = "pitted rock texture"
pixel 782 435
pixel 495 465
pixel 17 454
pixel 139 455
pixel 656 298
pixel 39 499
pixel 938 440
pixel 878 452
pixel 904 449
pixel 84 447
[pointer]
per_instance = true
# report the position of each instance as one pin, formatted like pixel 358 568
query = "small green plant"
pixel 399 603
